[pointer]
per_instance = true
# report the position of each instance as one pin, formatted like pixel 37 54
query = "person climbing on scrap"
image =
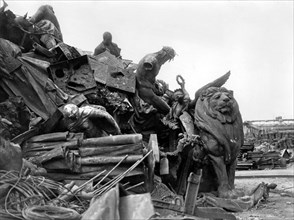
pixel 107 44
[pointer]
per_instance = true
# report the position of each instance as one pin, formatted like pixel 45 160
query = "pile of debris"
pixel 269 144
pixel 99 137
pixel 278 132
pixel 259 159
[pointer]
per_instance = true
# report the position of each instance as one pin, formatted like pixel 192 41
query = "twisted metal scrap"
pixel 26 191
pixel 50 213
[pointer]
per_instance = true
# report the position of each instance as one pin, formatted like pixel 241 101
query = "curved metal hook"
pixel 180 81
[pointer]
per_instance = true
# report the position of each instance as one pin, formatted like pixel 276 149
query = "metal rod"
pixel 90 180
pixel 134 186
pixel 125 184
pixel 120 177
pixel 107 184
pixel 110 171
pixel 124 174
pixel 112 182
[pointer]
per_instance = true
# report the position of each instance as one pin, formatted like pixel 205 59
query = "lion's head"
pixel 220 104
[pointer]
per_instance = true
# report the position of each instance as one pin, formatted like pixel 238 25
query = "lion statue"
pixel 220 127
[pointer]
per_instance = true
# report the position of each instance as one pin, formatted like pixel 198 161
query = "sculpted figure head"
pixel 165 54
pixel 71 111
pixel 179 95
pixel 107 38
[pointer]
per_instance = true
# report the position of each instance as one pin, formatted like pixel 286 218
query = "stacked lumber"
pixel 38 145
pixel 67 156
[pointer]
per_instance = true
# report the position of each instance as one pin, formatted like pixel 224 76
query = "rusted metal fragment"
pixel 74 76
pixel 188 123
pixel 192 192
pixel 56 153
pixel 11 158
pixel 110 71
pixel 122 79
pixel 65 52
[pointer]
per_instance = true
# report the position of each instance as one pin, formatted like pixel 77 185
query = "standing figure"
pixel 107 44
pixel 181 99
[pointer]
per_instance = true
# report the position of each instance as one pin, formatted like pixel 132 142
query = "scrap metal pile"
pixel 269 144
pixel 99 137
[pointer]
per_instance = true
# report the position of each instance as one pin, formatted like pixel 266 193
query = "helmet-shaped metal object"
pixel 70 111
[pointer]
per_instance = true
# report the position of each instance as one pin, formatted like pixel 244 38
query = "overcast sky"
pixel 252 39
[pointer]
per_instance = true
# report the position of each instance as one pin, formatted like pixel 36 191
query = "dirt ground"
pixel 280 204
pixel 277 207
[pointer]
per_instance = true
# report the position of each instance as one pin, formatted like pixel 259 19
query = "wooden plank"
pixel 153 145
pixel 51 137
pixel 42 145
pixel 107 159
pixel 112 140
pixel 112 150
pixel 151 159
